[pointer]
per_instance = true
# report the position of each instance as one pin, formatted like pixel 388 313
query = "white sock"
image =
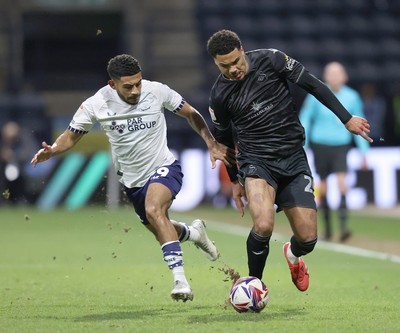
pixel 189 233
pixel 292 258
pixel 194 235
pixel 179 274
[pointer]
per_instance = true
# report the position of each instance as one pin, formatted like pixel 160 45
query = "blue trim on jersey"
pixel 180 106
pixel 74 130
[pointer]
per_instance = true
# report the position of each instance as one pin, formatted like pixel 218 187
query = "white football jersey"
pixel 137 133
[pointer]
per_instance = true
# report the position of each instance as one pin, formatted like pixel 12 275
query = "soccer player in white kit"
pixel 130 110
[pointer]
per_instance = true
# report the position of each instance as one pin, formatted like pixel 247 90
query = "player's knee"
pixel 263 229
pixel 263 226
pixel 153 213
pixel 302 248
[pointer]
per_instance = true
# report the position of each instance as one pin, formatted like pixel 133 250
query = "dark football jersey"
pixel 259 107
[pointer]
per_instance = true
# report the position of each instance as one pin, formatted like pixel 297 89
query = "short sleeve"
pixel 83 119
pixel 172 100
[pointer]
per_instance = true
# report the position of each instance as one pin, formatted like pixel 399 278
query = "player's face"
pixel 232 65
pixel 128 88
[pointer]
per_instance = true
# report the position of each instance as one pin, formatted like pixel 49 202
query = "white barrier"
pixel 201 181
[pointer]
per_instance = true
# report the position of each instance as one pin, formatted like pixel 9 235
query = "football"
pixel 249 294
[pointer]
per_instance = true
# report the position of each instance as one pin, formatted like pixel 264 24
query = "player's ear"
pixel 111 83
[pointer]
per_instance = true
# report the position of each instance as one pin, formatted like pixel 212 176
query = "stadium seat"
pixel 361 7
pixel 239 7
pixel 276 43
pixel 271 26
pixel 303 49
pixel 364 71
pixel 210 24
pixel 302 26
pixel 390 71
pixel 333 49
pixel 301 7
pixel 386 25
pixel 329 25
pixel 361 34
pixel 252 44
pixel 358 25
pixel 363 48
pixel 209 7
pixel 270 7
pixel 389 48
pixel 243 24
pixel 329 6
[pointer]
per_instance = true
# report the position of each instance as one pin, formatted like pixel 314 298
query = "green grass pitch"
pixel 95 270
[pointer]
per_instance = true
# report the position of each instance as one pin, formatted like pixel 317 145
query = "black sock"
pixel 327 216
pixel 257 253
pixel 343 214
pixel 302 248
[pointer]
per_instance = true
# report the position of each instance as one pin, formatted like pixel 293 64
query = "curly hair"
pixel 123 65
pixel 223 42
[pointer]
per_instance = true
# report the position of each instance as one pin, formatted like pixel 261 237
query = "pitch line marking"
pixel 342 248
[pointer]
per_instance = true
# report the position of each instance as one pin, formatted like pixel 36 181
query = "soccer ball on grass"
pixel 249 294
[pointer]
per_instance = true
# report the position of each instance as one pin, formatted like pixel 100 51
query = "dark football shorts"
pixel 291 178
pixel 329 159
pixel 169 175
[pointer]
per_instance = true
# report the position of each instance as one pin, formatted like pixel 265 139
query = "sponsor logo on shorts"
pixel 252 169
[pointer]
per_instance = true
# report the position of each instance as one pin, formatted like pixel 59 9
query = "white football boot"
pixel 203 242
pixel 182 291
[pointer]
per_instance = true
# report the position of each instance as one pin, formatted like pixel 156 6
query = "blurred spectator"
pixel 330 141
pixel 29 110
pixel 375 110
pixel 16 147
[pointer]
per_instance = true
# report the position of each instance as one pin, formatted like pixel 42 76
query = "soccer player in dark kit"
pixel 251 99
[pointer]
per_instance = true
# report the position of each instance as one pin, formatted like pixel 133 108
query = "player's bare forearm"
pixel 198 123
pixel 62 144
pixel 217 150
pixel 359 126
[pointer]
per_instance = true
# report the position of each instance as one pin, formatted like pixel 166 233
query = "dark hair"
pixel 123 65
pixel 223 42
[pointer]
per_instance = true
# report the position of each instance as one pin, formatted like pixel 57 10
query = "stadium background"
pixel 53 56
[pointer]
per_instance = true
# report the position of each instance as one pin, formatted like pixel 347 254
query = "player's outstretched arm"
pixel 218 151
pixel 360 126
pixel 63 143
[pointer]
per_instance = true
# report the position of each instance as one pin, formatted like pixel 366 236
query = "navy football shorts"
pixel 291 178
pixel 329 159
pixel 168 175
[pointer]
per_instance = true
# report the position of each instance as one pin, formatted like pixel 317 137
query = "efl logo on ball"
pixel 249 294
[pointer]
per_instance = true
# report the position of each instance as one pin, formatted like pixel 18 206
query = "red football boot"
pixel 299 271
